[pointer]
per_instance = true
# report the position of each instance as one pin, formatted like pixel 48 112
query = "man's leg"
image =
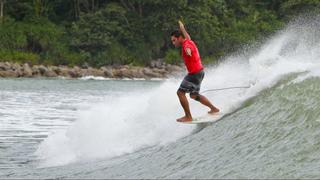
pixel 205 101
pixel 185 105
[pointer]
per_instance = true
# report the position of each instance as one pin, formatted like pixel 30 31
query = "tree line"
pixel 111 32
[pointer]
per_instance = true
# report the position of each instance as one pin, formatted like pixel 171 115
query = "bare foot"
pixel 214 111
pixel 184 119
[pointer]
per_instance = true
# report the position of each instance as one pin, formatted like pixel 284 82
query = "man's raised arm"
pixel 183 30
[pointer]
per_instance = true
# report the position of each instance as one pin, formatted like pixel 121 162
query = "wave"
pixel 131 122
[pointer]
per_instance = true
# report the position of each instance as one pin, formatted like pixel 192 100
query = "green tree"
pixel 1 10
pixel 136 31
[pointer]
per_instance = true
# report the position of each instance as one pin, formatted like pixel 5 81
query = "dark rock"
pixel 124 72
pixel 137 73
pixel 8 73
pixel 64 71
pixel 55 69
pixel 4 66
pixel 26 70
pixel 50 74
pixel 107 72
pixel 95 72
pixel 42 69
pixel 149 73
pixel 173 68
pixel 35 71
pixel 121 72
pixel 73 73
pixel 160 71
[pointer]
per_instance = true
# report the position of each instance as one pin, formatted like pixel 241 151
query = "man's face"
pixel 175 41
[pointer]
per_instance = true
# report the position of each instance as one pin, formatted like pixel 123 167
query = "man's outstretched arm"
pixel 183 30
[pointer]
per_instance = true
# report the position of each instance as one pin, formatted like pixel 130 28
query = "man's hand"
pixel 181 24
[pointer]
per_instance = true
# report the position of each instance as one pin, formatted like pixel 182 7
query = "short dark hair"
pixel 176 33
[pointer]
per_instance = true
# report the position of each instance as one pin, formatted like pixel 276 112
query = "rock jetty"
pixel 154 70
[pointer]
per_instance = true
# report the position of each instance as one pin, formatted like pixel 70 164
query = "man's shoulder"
pixel 188 42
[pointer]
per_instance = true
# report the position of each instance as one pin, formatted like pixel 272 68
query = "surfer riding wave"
pixel 192 81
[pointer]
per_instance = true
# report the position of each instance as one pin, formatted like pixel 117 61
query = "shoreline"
pixel 154 71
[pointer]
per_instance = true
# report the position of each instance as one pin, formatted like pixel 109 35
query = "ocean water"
pixel 99 128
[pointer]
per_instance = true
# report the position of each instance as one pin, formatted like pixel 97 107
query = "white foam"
pixel 94 78
pixel 100 78
pixel 121 125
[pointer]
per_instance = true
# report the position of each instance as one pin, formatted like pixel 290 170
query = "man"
pixel 191 82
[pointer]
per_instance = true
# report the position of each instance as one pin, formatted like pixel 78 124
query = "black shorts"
pixel 191 83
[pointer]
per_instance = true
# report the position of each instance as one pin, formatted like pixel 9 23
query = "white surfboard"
pixel 209 118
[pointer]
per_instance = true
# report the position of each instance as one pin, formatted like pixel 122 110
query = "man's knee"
pixel 195 96
pixel 180 93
